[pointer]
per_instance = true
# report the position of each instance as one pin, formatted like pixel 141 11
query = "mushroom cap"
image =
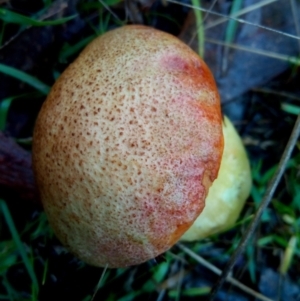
pixel 229 192
pixel 127 145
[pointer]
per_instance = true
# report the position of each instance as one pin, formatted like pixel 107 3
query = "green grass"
pixel 26 78
pixel 285 207
pixel 6 103
pixel 200 28
pixel 9 16
pixel 231 30
pixel 26 257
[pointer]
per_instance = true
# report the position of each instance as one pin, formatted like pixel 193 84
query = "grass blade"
pixel 70 50
pixel 4 107
pixel 289 108
pixel 200 28
pixel 231 31
pixel 12 17
pixel 232 24
pixel 26 78
pixel 15 235
pixel 288 255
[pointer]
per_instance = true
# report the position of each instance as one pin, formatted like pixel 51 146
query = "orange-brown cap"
pixel 127 145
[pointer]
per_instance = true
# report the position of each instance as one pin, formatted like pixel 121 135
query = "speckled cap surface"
pixel 126 146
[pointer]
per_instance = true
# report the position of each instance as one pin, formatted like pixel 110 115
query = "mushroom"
pixel 228 193
pixel 126 146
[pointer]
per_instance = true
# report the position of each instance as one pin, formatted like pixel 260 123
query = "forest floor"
pixel 254 56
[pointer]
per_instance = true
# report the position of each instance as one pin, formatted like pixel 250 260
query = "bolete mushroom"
pixel 127 145
pixel 228 193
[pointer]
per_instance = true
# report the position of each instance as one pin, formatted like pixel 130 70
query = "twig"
pixel 110 10
pixel 237 19
pixel 292 59
pixel 132 12
pixel 277 93
pixel 217 271
pixel 265 202
pixel 239 13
